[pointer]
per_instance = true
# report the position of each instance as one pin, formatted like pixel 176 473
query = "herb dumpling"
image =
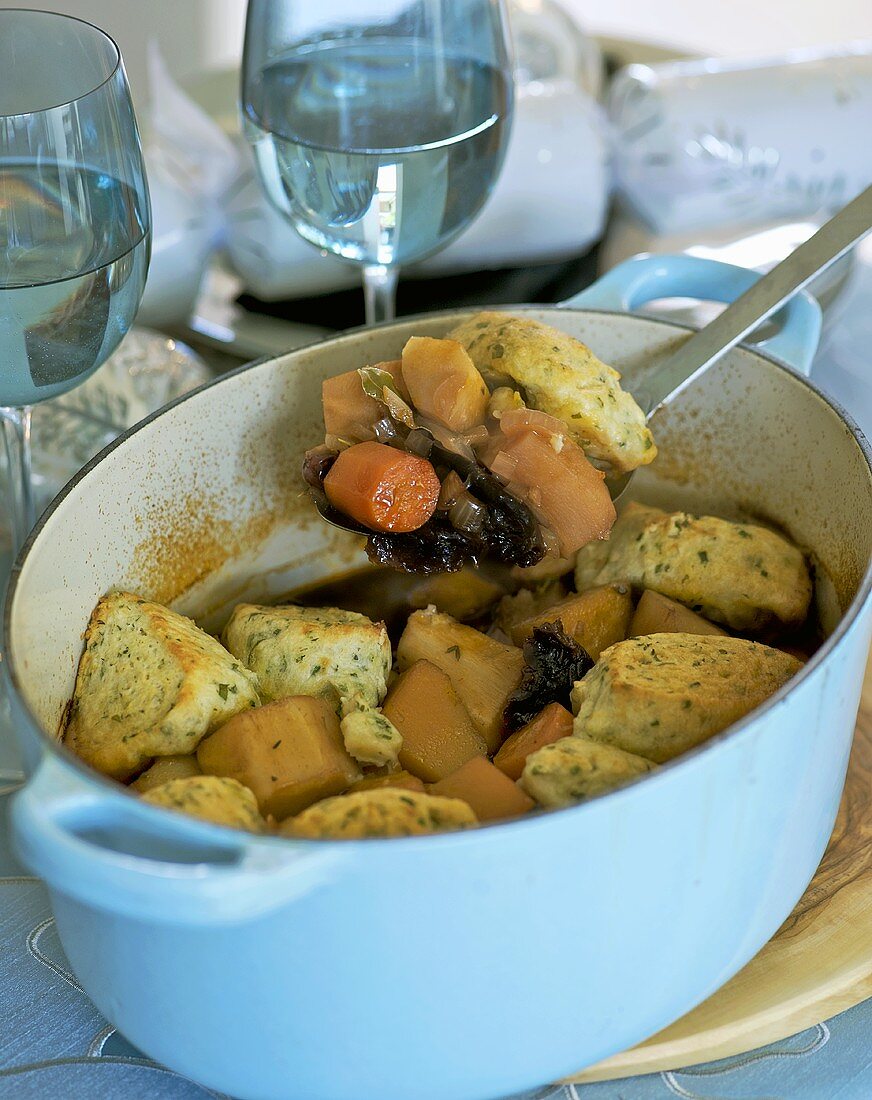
pixel 575 768
pixel 561 376
pixel 150 683
pixel 380 812
pixel 212 798
pixel 739 574
pixel 322 651
pixel 662 694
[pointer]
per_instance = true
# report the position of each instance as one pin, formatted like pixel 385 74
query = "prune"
pixel 316 465
pixel 554 662
pixel 509 533
pixel 434 548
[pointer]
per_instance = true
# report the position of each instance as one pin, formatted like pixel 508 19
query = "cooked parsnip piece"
pixel 211 798
pixel 322 651
pixel 370 737
pixel 561 376
pixel 656 614
pixel 550 724
pixel 164 769
pixel 150 683
pixel 437 732
pixel 660 695
pixel 596 618
pixel 482 671
pixel 490 793
pixel 739 574
pixel 290 753
pixel 379 813
pixel 575 768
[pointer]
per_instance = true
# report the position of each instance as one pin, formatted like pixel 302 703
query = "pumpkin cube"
pixel 438 733
pixel 549 725
pixel 482 671
pixel 290 753
pixel 490 793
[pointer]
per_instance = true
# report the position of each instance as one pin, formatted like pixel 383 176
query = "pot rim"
pixel 736 729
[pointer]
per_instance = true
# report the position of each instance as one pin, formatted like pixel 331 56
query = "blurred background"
pixel 727 130
pixel 202 34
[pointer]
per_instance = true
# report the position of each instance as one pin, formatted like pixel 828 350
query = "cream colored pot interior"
pixel 203 506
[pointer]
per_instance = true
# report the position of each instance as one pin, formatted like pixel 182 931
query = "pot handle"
pixel 642 279
pixel 112 851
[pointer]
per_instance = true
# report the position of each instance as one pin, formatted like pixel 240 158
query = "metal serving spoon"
pixel 706 347
pixel 764 298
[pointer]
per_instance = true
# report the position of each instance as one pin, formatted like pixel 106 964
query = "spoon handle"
pixel 767 295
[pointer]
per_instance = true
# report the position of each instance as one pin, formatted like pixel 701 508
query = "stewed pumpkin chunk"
pixel 401 779
pixel 166 768
pixel 290 753
pixel 490 793
pixel 549 725
pixel 657 614
pixel 438 733
pixel 482 671
pixel 596 618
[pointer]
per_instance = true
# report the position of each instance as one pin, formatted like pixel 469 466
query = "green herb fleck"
pixel 703 556
pixel 224 691
pixel 455 649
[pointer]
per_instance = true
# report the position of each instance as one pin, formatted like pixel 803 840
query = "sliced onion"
pixel 419 442
pixel 385 430
pixel 476 436
pixel 447 438
pixel 452 487
pixel 504 465
pixel 518 420
pixel 467 514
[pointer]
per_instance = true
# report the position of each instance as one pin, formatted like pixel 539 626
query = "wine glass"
pixel 74 220
pixel 378 126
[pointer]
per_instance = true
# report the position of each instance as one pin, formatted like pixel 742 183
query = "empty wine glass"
pixel 378 126
pixel 74 220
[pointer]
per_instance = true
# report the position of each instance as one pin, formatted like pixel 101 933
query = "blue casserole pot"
pixel 462 966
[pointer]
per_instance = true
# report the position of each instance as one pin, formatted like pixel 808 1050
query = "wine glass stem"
pixel 380 292
pixel 19 492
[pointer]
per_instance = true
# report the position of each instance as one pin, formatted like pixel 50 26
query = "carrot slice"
pixel 383 488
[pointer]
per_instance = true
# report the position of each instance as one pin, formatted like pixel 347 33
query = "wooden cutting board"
pixel 817 964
